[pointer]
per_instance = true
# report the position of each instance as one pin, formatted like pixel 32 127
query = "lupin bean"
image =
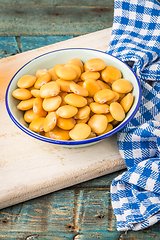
pixel 66 73
pixel 51 104
pixel 98 123
pixel 99 108
pixel 50 89
pixel 40 72
pixel 22 94
pixel 59 134
pixel 76 68
pixel 80 132
pixel 117 111
pixel 90 75
pixel 35 92
pixel 127 102
pixel 75 100
pixel 111 74
pixel 94 64
pixel 91 86
pixel 67 111
pixel 83 113
pixel 122 86
pixel 37 124
pixel 29 116
pixel 104 95
pixel 26 104
pixel 50 121
pixel 79 90
pixel 66 123
pixel 76 61
pixel 45 78
pixel 26 81
pixel 53 74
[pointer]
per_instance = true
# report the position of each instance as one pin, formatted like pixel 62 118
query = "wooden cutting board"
pixel 30 168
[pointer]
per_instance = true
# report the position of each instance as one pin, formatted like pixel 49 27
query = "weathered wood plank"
pixel 67 214
pixel 8 46
pixel 29 43
pixel 37 19
pixel 49 3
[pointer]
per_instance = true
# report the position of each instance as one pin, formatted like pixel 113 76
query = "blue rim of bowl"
pixel 70 142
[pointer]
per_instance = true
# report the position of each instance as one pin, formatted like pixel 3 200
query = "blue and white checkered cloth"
pixel 135 38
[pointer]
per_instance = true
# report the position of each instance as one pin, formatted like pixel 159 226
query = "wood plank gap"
pixel 19 45
pixel 56 6
pixel 78 211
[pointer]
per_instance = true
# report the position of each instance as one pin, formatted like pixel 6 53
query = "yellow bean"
pixel 115 99
pixel 79 90
pixel 122 86
pixel 67 111
pixel 84 120
pixel 26 104
pixel 80 131
pixel 83 113
pixel 51 71
pixel 104 95
pixel 51 104
pixel 37 124
pixel 121 95
pixel 76 61
pixel 94 64
pixel 35 92
pixel 76 68
pixel 21 94
pixel 108 129
pixel 117 111
pixel 80 83
pixel 99 108
pixel 37 105
pixel 62 95
pixel 64 85
pixel 66 73
pixel 127 102
pixel 109 117
pixel 50 121
pixel 91 86
pixel 98 123
pixel 40 72
pixel 75 100
pixel 45 78
pixel 26 81
pixel 57 66
pixel 111 74
pixel 90 75
pixel 29 116
pixel 103 85
pixel 66 123
pixel 50 89
pixel 59 134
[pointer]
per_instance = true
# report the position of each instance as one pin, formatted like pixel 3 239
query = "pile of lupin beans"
pixel 75 100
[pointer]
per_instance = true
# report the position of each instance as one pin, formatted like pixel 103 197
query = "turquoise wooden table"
pixel 82 211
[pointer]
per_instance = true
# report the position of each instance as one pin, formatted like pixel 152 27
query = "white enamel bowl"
pixel 48 60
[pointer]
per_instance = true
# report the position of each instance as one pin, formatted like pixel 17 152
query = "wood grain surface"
pixel 54 17
pixel 82 211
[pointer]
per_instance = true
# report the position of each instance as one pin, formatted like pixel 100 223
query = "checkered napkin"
pixel 135 39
